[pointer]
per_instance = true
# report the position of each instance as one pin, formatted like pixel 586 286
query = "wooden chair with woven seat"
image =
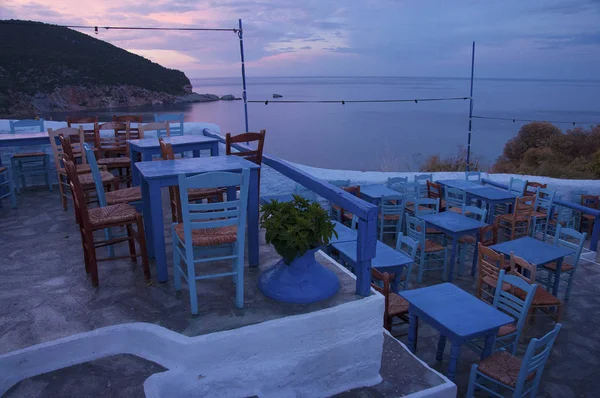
pixel 335 211
pixel 395 305
pixel 6 182
pixel 212 195
pixel 542 206
pixel 521 377
pixel 88 133
pixel 489 265
pixel 455 199
pixel 134 132
pixel 517 223
pixel 25 164
pixel 112 148
pixel 488 234
pixel 425 206
pixel 391 211
pixel 408 246
pixel 175 121
pixel 593 202
pixel 532 187
pixel 393 181
pixel 345 215
pixel 100 218
pixel 429 251
pixel 255 156
pixel 434 191
pixel 422 180
pixel 210 232
pixel 466 241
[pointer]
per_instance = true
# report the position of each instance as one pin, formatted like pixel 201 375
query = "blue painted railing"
pixel 577 207
pixel 366 212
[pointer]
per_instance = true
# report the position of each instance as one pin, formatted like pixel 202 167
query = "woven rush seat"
pixel 539 214
pixel 124 195
pixel 410 206
pixel 388 217
pixel 28 154
pixel 456 209
pixel 108 215
pixel 503 367
pixel 469 239
pixel 397 305
pixel 202 193
pixel 541 297
pixel 431 246
pixel 3 169
pixel 114 162
pixel 88 180
pixel 509 218
pixel 588 216
pixel 507 329
pixel 564 268
pixel 81 168
pixel 209 236
pixel 488 280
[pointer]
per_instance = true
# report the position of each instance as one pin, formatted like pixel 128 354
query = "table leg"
pixel 253 210
pixel 557 277
pixel 413 331
pixel 214 149
pixel 454 352
pixel 154 227
pixel 475 252
pixel 440 347
pixel 135 174
pixel 452 258
pixel 490 341
pixel 196 153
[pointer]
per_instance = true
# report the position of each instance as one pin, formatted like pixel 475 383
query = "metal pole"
pixel 470 109
pixel 241 36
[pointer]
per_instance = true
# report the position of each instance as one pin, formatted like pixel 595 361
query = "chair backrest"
pixel 521 268
pixel 475 213
pixel 197 216
pixel 407 245
pixel 523 207
pixel 517 186
pixel 531 188
pixel 166 151
pixel 434 191
pixel 455 197
pixel 391 205
pixel 535 359
pixel 544 198
pixel 392 181
pixel 510 304
pixel 90 133
pixel 564 216
pixel 29 125
pixel 473 176
pixel 422 179
pixel 89 154
pixel 116 143
pixel 254 156
pixel 175 121
pixel 489 263
pixel 426 206
pixel 134 132
pixel 415 229
pixel 57 150
pixel 156 126
pixel 385 279
pixel 65 144
pixel 410 190
pixel 569 237
pixel 591 201
pixel 354 190
pixel 488 234
pixel 79 204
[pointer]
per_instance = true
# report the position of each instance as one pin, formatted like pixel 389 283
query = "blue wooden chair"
pixel 211 232
pixel 391 211
pixel 521 377
pixel 466 241
pixel 409 247
pixel 392 181
pixel 562 216
pixel 335 211
pixel 29 163
pixel 474 176
pixel 6 182
pixel 517 186
pixel 422 180
pixel 566 237
pixel 540 217
pixel 429 251
pixel 175 121
pixel 455 199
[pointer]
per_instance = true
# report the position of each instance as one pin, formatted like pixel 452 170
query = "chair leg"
pixel 61 190
pixel 143 251
pixel 568 292
pixel 472 379
pixel 421 268
pixel 131 243
pixel 462 248
pixel 176 265
pixel 48 172
pixel 91 252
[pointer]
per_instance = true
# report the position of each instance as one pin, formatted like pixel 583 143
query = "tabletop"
pixel 532 250
pixel 460 184
pixel 385 255
pixel 169 168
pixel 451 221
pixel 491 193
pixel 23 136
pixel 377 191
pixel 456 310
pixel 175 140
pixel 345 234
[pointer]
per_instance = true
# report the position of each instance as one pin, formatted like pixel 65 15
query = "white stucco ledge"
pixel 310 355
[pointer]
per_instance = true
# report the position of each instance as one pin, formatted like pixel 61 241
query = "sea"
pixel 384 136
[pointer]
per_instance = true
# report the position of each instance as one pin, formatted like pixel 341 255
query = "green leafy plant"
pixel 295 227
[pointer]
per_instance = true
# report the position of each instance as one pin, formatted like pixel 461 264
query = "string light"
pixel 532 120
pixel 343 102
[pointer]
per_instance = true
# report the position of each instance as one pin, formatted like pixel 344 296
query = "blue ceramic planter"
pixel 303 281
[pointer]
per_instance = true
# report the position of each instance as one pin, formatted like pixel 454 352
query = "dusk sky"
pixel 515 38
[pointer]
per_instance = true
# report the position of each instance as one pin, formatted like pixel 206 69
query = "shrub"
pixel 456 162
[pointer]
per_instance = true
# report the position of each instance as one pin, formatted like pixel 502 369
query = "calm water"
pixel 390 136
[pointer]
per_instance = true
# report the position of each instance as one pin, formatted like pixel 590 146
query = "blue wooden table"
pixel 374 193
pixel 460 184
pixel 457 315
pixel 454 225
pixel 491 196
pixel 155 175
pixel 386 259
pixel 148 147
pixel 23 139
pixel 536 252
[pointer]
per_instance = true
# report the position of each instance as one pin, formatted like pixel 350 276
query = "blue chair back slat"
pixel 409 247
pixel 535 359
pixel 91 159
pixel 26 124
pixel 475 213
pixel 392 205
pixel 422 179
pixel 391 181
pixel 427 206
pixel 474 176
pixel 455 197
pixel 544 199
pixel 175 121
pixel 517 186
pixel 569 237
pixel 415 229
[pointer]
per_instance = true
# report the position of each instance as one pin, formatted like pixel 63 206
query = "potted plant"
pixel 297 229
